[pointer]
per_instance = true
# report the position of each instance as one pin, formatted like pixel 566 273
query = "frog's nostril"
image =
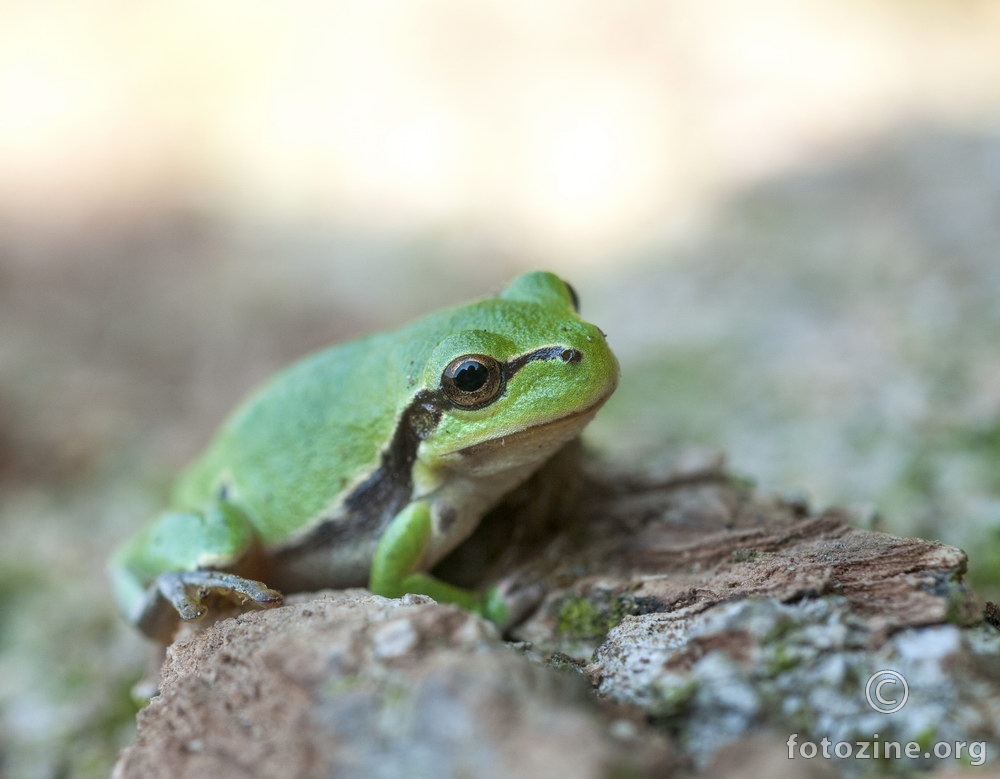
pixel 571 355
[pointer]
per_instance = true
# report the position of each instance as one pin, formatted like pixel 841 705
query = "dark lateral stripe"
pixel 373 503
pixel 564 353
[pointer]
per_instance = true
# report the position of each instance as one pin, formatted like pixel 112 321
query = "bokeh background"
pixel 785 214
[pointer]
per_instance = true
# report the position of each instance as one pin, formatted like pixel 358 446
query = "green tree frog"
pixel 370 461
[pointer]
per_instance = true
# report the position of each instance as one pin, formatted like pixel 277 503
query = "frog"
pixel 366 463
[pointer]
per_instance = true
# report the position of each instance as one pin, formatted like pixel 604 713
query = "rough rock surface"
pixel 709 622
pixel 352 684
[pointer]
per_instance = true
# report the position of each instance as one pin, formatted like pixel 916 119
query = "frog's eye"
pixel 472 380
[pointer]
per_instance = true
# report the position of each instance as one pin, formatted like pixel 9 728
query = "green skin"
pixel 364 464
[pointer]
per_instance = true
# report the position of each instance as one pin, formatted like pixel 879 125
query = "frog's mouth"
pixel 531 442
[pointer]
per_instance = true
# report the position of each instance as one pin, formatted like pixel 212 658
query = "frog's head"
pixel 518 376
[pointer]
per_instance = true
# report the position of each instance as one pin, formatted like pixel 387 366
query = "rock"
pixel 688 621
pixel 351 684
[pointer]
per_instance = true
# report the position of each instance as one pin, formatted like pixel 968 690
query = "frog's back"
pixel 305 438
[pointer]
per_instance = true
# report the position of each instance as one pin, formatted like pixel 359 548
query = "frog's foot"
pixel 511 602
pixel 186 591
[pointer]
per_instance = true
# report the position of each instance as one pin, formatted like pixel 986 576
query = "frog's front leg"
pixel 177 562
pixel 395 565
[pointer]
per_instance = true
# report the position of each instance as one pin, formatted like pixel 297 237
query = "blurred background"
pixel 786 216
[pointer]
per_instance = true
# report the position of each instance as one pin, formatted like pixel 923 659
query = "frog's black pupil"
pixel 471 375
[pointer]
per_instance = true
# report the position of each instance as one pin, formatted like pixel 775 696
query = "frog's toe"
pixel 173 587
pixel 512 601
pixel 190 611
pixel 264 596
pixel 238 589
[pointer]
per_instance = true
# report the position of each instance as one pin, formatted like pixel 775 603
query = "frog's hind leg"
pixel 177 562
pixel 176 586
